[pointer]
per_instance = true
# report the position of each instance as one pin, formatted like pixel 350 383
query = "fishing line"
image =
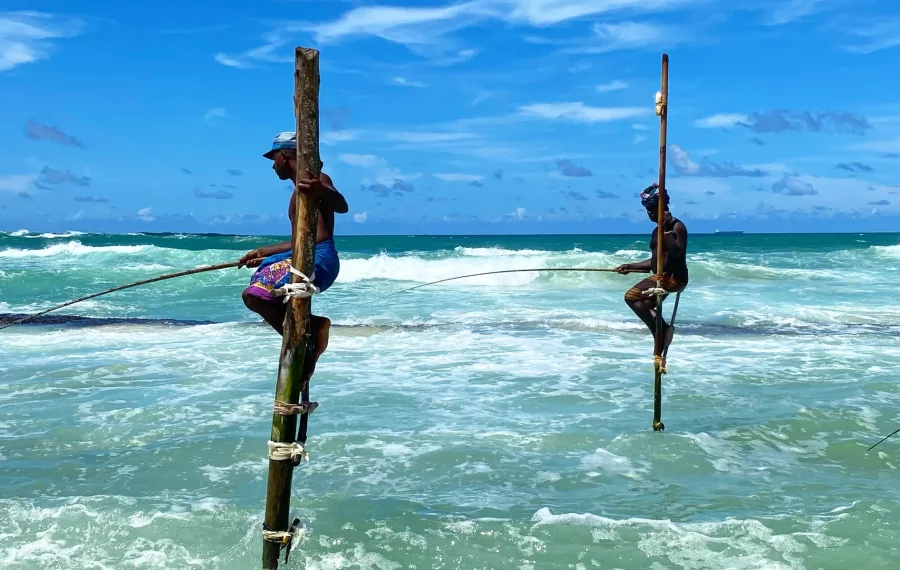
pixel 577 269
pixel 236 263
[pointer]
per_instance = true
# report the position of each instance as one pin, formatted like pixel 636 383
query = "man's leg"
pixel 644 307
pixel 320 327
pixel 271 312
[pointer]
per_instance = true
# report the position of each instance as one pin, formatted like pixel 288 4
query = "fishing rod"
pixel 883 439
pixel 575 269
pixel 201 269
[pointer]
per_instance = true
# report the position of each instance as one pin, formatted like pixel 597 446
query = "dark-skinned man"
pixel 274 262
pixel 675 271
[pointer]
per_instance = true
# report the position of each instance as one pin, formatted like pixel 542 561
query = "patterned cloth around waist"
pixel 274 271
pixel 668 283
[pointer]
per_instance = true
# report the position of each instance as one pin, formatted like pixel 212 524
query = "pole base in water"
pixel 659 426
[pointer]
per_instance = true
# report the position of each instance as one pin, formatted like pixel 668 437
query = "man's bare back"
pixel 325 228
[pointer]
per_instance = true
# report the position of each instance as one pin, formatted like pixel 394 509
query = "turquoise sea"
pixel 498 422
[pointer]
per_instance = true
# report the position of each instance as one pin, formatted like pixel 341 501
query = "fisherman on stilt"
pixel 675 272
pixel 274 262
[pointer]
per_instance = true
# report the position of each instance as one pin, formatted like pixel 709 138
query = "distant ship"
pixel 729 232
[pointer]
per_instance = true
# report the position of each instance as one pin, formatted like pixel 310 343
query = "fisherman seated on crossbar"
pixel 274 262
pixel 675 272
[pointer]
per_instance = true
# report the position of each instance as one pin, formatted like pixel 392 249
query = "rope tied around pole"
pixel 286 409
pixel 283 538
pixel 302 289
pixel 293 452
pixel 656 291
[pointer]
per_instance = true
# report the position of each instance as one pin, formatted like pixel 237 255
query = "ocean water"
pixel 494 422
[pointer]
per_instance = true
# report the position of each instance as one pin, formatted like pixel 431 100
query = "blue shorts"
pixel 274 271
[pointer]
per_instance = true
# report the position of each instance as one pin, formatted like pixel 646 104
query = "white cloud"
pixel 611 86
pixel 15 183
pixel 630 35
pixel 414 137
pixel 407 26
pixel 229 61
pixel 459 57
pixel 146 214
pixel 25 37
pixel 402 81
pixel 639 139
pixel 333 137
pixel 892 145
pixel 548 12
pixel 518 213
pixel 457 177
pixel 361 217
pixel 214 113
pixel 424 29
pixel 362 160
pixel 682 160
pixel 792 10
pixel 721 120
pixel 878 35
pixel 383 173
pixel 640 127
pixel 483 96
pixel 273 50
pixel 581 113
pixel 793 186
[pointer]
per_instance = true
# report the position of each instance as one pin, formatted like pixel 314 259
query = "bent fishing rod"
pixel 201 269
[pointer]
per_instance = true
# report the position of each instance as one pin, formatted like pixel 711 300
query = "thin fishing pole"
pixel 896 431
pixel 121 287
pixel 578 269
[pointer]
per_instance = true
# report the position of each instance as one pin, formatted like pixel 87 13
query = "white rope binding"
pixel 279 536
pixel 293 452
pixel 656 292
pixel 302 289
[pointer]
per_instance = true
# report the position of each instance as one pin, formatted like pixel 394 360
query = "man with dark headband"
pixel 675 272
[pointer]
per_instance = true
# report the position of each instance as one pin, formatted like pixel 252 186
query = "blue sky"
pixel 480 116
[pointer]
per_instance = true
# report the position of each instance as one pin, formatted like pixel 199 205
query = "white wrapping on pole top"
pixel 660 103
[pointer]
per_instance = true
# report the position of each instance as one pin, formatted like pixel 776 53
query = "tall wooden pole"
pixel 662 108
pixel 292 380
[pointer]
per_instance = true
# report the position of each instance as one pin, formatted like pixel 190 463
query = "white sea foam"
pixel 887 250
pixel 73 248
pixel 501 252
pixel 509 396
pixel 729 543
pixel 418 269
pixel 56 236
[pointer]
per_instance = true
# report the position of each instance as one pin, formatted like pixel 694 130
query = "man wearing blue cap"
pixel 274 262
pixel 675 271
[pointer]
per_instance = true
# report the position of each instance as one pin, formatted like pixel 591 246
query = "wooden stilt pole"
pixel 662 108
pixel 292 380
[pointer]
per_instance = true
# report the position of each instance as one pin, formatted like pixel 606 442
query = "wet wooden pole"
pixel 292 381
pixel 662 110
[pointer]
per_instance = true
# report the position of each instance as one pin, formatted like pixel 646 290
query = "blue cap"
pixel 283 141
